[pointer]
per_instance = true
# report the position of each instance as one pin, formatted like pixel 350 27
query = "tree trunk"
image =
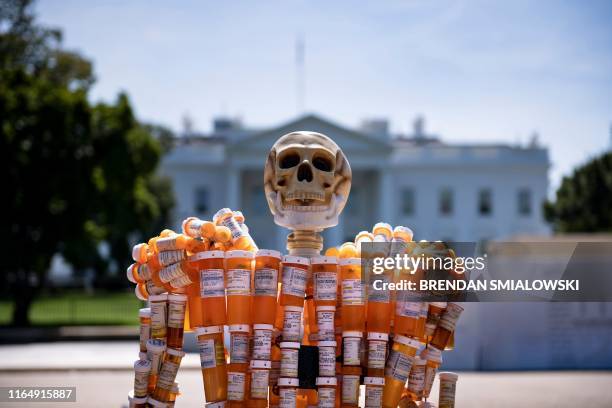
pixel 23 293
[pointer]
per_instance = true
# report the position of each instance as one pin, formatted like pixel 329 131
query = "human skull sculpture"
pixel 307 181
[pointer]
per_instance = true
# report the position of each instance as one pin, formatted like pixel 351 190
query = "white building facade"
pixel 442 191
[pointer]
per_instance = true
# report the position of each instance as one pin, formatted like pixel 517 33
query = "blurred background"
pixel 464 120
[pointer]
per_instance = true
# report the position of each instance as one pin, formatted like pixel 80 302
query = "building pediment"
pixel 349 140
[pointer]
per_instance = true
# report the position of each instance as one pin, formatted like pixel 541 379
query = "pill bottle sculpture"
pixel 255 312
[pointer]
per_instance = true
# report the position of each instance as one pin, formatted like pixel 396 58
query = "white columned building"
pixel 445 191
pixel 440 190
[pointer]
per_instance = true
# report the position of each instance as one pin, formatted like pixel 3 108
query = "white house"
pixel 442 191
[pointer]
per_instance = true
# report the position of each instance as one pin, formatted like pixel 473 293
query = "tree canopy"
pixel 584 199
pixel 78 173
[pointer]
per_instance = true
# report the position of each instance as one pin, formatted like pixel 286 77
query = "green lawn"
pixel 80 309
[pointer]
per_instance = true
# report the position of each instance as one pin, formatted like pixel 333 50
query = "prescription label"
pixel 259 384
pixel 207 354
pixel 170 257
pixel 350 389
pixel 430 375
pixel 141 381
pixel 234 227
pixel 145 334
pixel 408 309
pixel 171 272
pixel 180 282
pixel 292 324
pixel 166 244
pixel 212 283
pixel 351 347
pixel 266 282
pixel 377 351
pixel 287 397
pixel 294 281
pixel 373 397
pixel 212 354
pixel 450 316
pixel 239 348
pixel 327 397
pixel 327 361
pixel 167 375
pixel 352 292
pixel 235 386
pixel 238 282
pixel 416 379
pixel 289 363
pixel 176 315
pixel 398 366
pixel 325 320
pixel 262 344
pixel 447 394
pixel 155 358
pixel 158 320
pixel 326 286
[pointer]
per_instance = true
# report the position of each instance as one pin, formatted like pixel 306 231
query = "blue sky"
pixel 479 71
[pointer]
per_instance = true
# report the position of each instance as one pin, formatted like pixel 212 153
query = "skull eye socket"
pixel 322 163
pixel 289 160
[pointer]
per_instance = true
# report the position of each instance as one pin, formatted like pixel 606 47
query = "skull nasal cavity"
pixel 304 173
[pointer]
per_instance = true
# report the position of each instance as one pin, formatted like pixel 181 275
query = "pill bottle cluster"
pixel 161 343
pixel 256 311
pixel 183 278
pixel 391 344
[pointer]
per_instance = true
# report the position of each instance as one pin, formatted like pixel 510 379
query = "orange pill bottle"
pixel 353 304
pixel 240 239
pixel 212 361
pixel 350 386
pixel 239 266
pixel 212 287
pixel 265 285
pixel 176 320
pixel 194 301
pixel 446 326
pixel 325 280
pixel 398 368
pixel 295 274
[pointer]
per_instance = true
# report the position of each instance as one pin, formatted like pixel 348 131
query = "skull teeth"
pixel 303 195
pixel 306 208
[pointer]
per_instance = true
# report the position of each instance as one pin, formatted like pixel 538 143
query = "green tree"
pixel 584 199
pixel 132 199
pixel 77 174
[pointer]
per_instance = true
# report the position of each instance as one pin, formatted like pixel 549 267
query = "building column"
pixel 335 235
pixel 387 200
pixel 281 238
pixel 234 185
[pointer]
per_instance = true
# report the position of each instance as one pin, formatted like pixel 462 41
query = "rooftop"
pixel 233 130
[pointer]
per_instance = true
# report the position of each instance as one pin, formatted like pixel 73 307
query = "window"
pixel 258 202
pixel 408 201
pixel 485 201
pixel 524 201
pixel 201 200
pixel 446 201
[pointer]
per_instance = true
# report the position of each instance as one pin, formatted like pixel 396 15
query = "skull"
pixel 307 180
